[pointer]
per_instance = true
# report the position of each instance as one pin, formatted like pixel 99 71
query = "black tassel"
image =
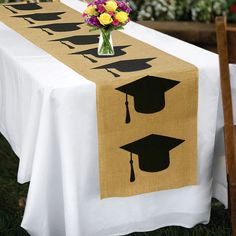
pixel 44 30
pixel 15 12
pixel 31 22
pixel 91 59
pixel 127 118
pixel 132 175
pixel 70 47
pixel 113 73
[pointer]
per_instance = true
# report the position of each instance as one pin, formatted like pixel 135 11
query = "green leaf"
pixel 119 28
pixel 93 29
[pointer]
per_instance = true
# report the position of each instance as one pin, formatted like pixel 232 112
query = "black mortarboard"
pixel 79 40
pixel 94 52
pixel 148 93
pixel 127 65
pixel 59 27
pixel 153 152
pixel 25 7
pixel 41 16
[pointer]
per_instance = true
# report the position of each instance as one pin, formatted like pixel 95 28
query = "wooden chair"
pixel 226 45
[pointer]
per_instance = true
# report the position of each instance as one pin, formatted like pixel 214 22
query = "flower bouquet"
pixel 106 16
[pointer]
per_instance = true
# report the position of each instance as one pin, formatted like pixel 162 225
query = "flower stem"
pixel 106 47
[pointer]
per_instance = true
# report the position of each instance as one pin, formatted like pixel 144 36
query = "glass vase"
pixel 105 46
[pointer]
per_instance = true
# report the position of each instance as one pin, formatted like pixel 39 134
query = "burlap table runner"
pixel 146 99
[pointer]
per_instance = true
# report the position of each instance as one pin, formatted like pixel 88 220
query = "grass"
pixel 10 191
pixel 11 214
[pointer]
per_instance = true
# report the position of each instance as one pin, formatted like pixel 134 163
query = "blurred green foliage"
pixel 232 10
pixel 188 10
pixel 181 10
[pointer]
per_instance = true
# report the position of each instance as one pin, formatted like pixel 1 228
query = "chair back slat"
pixel 229 133
pixel 224 69
pixel 226 49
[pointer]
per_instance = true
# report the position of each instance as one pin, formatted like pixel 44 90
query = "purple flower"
pixel 90 4
pixel 97 2
pixel 124 7
pixel 93 20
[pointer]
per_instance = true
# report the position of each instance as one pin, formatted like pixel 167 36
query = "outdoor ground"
pixel 11 214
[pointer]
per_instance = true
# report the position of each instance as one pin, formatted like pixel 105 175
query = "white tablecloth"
pixel 48 115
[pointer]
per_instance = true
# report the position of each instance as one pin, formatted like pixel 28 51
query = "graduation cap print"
pixel 78 40
pixel 148 93
pixel 24 7
pixel 93 52
pixel 59 27
pixel 153 153
pixel 127 65
pixel 41 16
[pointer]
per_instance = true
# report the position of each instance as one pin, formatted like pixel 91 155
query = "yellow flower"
pixel 111 6
pixel 91 10
pixel 121 16
pixel 105 19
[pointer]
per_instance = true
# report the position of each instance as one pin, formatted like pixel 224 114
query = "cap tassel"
pixel 29 21
pixel 132 175
pixel 69 46
pixel 44 30
pixel 127 118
